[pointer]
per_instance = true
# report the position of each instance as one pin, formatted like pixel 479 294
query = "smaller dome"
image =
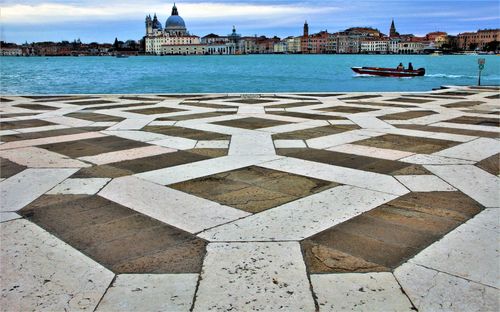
pixel 175 21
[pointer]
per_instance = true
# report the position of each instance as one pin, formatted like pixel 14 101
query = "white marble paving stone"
pixel 51 140
pixel 476 183
pixel 301 218
pixel 422 159
pixel 363 179
pixel 184 211
pixel 429 134
pixel 339 139
pixel 369 122
pixel 469 252
pixel 424 183
pixel 289 144
pixel 40 272
pixel 430 290
pixel 213 144
pixel 251 109
pixel 487 219
pixel 8 216
pixel 254 277
pixel 132 123
pixel 41 129
pixel 26 186
pixel 476 150
pixel 468 127
pixel 150 292
pixel 251 144
pixel 359 292
pixel 89 186
pixel 134 153
pixel 135 135
pixel 34 157
pixel 69 121
pixel 202 168
pixel 369 151
pixel 175 143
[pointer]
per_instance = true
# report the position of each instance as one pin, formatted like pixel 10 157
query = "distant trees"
pixel 492 46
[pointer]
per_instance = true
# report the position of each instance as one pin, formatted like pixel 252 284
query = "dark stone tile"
pixel 361 97
pixel 209 152
pixel 433 96
pixel 407 115
pixel 451 130
pixel 491 164
pixel 156 110
pixel 115 106
pixel 141 98
pixel 187 133
pixel 495 96
pixel 320 94
pixel 9 168
pixel 44 99
pixel 292 105
pixel 94 117
pixel 119 238
pixel 307 116
pixel 312 133
pixel 20 124
pixel 463 104
pixel 3 115
pixel 5 100
pixel 407 143
pixel 251 123
pixel 410 100
pixel 252 101
pixel 91 102
pixel 458 93
pixel 207 105
pixel 383 104
pixel 50 133
pixel 195 116
pixel 36 107
pixel 347 109
pixel 480 121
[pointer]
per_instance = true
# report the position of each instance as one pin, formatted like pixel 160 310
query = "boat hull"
pixel 388 72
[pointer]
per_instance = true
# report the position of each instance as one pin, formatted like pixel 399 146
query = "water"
pixel 249 73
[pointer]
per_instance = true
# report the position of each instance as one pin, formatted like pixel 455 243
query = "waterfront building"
pixel 11 51
pixel 480 40
pixel 293 45
pixel 214 39
pixel 409 47
pixel 375 46
pixel 392 31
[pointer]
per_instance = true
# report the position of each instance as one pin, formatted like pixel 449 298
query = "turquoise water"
pixel 249 73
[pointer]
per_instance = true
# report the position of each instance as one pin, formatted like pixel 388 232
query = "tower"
pixel 149 25
pixel 306 30
pixel 174 10
pixel 392 31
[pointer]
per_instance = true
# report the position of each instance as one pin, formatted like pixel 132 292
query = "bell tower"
pixel 392 31
pixel 306 30
pixel 149 25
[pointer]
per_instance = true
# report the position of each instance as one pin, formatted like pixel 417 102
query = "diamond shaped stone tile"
pixel 251 123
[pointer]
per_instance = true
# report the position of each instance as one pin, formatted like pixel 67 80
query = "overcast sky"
pixel 102 21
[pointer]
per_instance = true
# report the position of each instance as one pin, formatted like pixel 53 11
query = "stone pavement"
pixel 329 202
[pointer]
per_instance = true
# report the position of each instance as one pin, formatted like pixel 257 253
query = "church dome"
pixel 175 21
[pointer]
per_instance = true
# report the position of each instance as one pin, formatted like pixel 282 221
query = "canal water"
pixel 246 73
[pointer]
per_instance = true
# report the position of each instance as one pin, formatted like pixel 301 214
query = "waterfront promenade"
pixel 229 202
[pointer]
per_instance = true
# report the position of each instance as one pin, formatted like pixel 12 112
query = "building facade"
pixel 478 40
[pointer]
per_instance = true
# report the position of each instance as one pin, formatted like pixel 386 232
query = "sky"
pixel 102 21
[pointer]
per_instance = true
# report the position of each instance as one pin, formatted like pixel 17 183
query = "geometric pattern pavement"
pixel 198 202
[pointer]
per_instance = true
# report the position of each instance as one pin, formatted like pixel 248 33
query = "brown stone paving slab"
pixel 209 152
pixel 463 104
pixel 320 94
pixel 115 106
pixel 407 143
pixel 451 130
pixel 119 238
pixel 347 109
pixel 361 97
pixel 95 117
pixel 383 104
pixel 410 100
pixel 195 116
pixel 187 133
pixel 140 98
pixel 49 133
pixel 364 163
pixel 292 105
pixel 44 99
pixel 36 107
pixel 101 171
pixel 252 101
pixel 307 116
pixel 9 168
pixel 495 96
pixel 253 189
pixel 207 105
pixel 4 115
pixel 156 110
pixel 20 124
pixel 383 238
pixel 433 96
pixel 251 123
pixel 480 121
pixel 457 93
pixel 91 147
pixel 312 133
pixel 5 100
pixel 407 115
pixel 491 164
pixel 484 89
pixel 91 102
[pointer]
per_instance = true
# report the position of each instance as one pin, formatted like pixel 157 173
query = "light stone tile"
pixel 251 144
pixel 359 292
pixel 184 211
pixel 175 143
pixel 339 139
pixel 476 150
pixel 26 186
pixel 290 144
pixel 430 290
pixel 7 132
pixel 162 123
pixel 141 136
pixel 363 179
pixel 41 129
pixel 422 159
pixel 150 292
pixel 424 183
pixel 103 124
pixel 467 127
pixel 132 123
pixel 469 252
pixel 134 153
pixel 34 157
pixel 295 126
pixel 369 122
pixel 476 183
pixel 488 219
pixel 431 135
pixel 301 218
pixel 88 186
pixel 8 216
pixel 254 277
pixel 202 168
pixel 69 121
pixel 51 140
pixel 251 109
pixel 40 272
pixel 213 144
pixel 369 151
pixel 341 122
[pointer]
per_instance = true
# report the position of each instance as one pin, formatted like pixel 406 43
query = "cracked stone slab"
pixel 359 292
pixel 8 216
pixel 476 150
pixel 254 276
pixel 424 183
pixel 432 290
pixel 150 292
pixel 40 272
pixel 80 186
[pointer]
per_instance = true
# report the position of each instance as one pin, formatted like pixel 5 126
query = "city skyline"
pixel 91 20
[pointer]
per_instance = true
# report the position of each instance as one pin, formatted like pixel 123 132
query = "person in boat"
pixel 400 67
pixel 410 66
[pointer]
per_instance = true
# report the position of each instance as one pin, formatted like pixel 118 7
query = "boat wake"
pixel 449 76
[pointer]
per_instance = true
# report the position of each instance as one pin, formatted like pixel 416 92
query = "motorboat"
pixel 389 72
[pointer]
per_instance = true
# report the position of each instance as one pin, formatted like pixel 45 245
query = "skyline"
pixel 91 20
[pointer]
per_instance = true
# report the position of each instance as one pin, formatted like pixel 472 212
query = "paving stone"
pixel 50 133
pixel 311 133
pixel 175 143
pixel 79 186
pixel 141 98
pixel 475 150
pixel 206 149
pixel 490 164
pixel 488 219
pixel 407 143
pixel 347 109
pixel 9 168
pixel 187 133
pixel 424 183
pixel 307 115
pixel 254 276
pixel 207 105
pixel 51 140
pixel 359 292
pixel 293 105
pixel 251 123
pixel 94 116
pixel 463 104
pixel 421 159
pixel 24 187
pixel 34 157
pixel 481 121
pixel 360 97
pixel 36 107
pixel 431 290
pixel 252 101
pixel 134 292
pixel 19 124
pixel 370 151
pixel 451 130
pixel 8 216
pixel 195 116
pixel 410 100
pixel 91 102
pixel 407 115
pixel 39 272
pixel 289 144
pixel 117 237
pixel 251 144
pixel 129 154
pixel 156 110
pixel 382 104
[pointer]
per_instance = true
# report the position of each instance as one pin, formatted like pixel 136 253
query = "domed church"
pixel 174 26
